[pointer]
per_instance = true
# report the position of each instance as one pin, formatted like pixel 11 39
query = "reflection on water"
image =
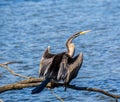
pixel 27 27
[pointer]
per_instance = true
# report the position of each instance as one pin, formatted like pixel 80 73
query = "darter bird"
pixel 62 66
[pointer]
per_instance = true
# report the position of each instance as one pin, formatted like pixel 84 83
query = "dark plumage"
pixel 62 66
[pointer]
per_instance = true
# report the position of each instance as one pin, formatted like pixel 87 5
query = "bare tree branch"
pixel 4 65
pixel 11 62
pixel 32 82
pixel 58 97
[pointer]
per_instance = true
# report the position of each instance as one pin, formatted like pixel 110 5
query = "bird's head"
pixel 70 45
pixel 82 32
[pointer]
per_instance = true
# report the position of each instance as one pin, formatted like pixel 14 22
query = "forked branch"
pixel 32 82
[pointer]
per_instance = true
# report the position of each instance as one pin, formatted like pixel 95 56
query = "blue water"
pixel 27 27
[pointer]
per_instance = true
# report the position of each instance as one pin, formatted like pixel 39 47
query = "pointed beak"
pixel 84 32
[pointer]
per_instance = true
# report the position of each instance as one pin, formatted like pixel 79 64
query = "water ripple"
pixel 27 27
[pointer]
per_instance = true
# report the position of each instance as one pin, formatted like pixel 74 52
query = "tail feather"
pixel 40 87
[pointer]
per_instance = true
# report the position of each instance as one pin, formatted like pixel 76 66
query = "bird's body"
pixel 62 66
pixel 52 71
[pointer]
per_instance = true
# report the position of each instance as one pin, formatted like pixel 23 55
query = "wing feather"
pixel 73 68
pixel 45 62
pixel 62 70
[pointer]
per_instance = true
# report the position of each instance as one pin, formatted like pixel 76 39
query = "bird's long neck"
pixel 70 46
pixel 71 50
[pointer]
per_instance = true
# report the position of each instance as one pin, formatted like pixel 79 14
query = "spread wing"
pixel 63 68
pixel 45 62
pixel 73 68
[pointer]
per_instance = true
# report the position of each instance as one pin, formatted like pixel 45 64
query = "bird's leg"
pixel 65 87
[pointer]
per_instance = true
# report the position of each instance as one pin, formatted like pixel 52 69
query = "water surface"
pixel 27 27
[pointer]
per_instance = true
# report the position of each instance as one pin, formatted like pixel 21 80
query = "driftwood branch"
pixel 12 62
pixel 4 65
pixel 87 89
pixel 32 82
